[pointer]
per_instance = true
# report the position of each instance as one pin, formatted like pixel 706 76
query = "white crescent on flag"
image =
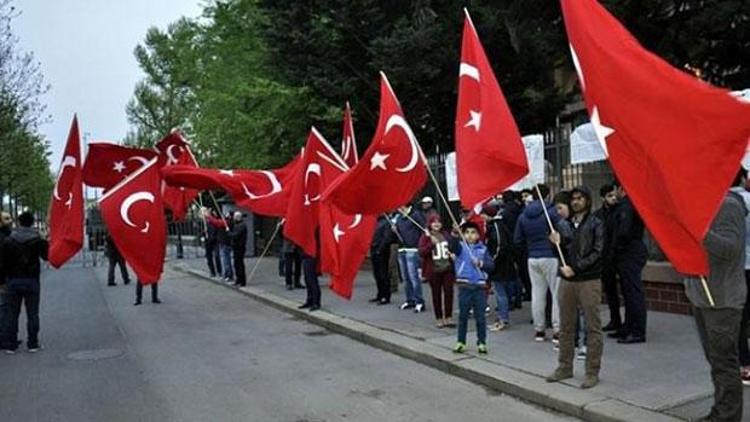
pixel 396 120
pixel 275 186
pixel 129 202
pixel 68 161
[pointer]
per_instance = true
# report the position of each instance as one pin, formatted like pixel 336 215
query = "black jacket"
pixel 383 237
pixel 502 250
pixel 22 251
pixel 627 239
pixel 583 247
pixel 110 249
pixel 4 233
pixel 409 232
pixel 238 235
pixel 606 216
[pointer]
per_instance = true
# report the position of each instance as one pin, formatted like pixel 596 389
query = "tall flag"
pixel 489 152
pixel 134 215
pixel 348 141
pixel 391 171
pixel 319 167
pixel 66 207
pixel 174 149
pixel 107 163
pixel 264 192
pixel 675 142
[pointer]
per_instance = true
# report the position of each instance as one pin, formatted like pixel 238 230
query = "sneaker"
pixel 559 375
pixel 540 336
pixel 746 376
pixel 419 308
pixel 498 326
pixel 487 310
pixel 9 352
pixel 581 355
pixel 482 348
pixel 407 305
pixel 556 339
pixel 460 348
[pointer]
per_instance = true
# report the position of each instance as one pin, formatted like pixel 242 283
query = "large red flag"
pixel 66 207
pixel 263 192
pixel 490 156
pixel 134 215
pixel 348 141
pixel 319 167
pixel 107 164
pixel 392 170
pixel 174 149
pixel 674 141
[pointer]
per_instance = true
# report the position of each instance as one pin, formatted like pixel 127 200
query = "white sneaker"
pixel 498 326
pixel 406 305
pixel 419 308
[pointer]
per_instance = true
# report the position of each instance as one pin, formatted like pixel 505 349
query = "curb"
pixel 563 398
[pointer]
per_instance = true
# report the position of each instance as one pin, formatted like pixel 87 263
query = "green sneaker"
pixel 482 348
pixel 460 348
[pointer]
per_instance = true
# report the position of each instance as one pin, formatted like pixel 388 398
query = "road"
pixel 210 354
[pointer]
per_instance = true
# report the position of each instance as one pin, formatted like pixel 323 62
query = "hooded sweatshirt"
pixel 466 271
pixel 22 251
pixel 532 230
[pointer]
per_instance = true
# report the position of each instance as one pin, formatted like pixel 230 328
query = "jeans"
pixel 23 292
pixel 718 330
pixel 543 274
pixel 213 258
pixel 502 298
pixel 408 263
pixel 585 295
pixel 226 260
pixel 631 283
pixel 114 261
pixel 472 297
pixel 441 285
pixel 310 268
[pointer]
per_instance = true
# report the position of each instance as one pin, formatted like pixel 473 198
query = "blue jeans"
pixel 472 297
pixel 408 265
pixel 503 296
pixel 226 260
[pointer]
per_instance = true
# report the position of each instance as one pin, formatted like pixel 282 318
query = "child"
pixel 471 261
pixel 438 269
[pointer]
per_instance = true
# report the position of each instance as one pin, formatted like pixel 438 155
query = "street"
pixel 210 354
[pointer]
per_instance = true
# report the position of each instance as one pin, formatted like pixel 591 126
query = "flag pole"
pixel 419 226
pixel 265 250
pixel 708 292
pixel 393 227
pixel 549 222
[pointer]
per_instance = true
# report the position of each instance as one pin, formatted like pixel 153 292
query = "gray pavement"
pixel 668 374
pixel 209 354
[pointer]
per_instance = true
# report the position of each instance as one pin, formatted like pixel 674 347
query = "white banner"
pixel 584 145
pixel 534 145
pixel 451 180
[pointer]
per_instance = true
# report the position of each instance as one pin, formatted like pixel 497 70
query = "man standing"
pixel 115 259
pixel 605 214
pixel 409 228
pixel 212 245
pixel 630 255
pixel 238 237
pixel 292 264
pixel 22 251
pixel 582 238
pixel 5 223
pixel 719 325
pixel 379 255
pixel 744 351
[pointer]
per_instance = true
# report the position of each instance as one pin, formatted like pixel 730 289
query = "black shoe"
pixel 126 282
pixel 377 299
pixel 112 284
pixel 304 306
pixel 384 301
pixel 289 287
pixel 612 327
pixel 314 308
pixel 629 339
pixel 299 286
pixel 617 334
pixel 156 301
pixel 137 302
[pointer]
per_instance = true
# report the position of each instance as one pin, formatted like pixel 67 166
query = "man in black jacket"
pixel 608 194
pixel 22 251
pixel 380 250
pixel 5 224
pixel 115 259
pixel 582 239
pixel 239 246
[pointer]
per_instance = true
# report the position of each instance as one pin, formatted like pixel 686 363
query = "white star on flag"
pixel 378 160
pixel 476 120
pixel 119 166
pixel 602 132
pixel 337 233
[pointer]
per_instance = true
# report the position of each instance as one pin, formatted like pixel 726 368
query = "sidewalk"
pixel 664 378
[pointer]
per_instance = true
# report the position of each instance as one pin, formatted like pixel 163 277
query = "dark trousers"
pixel 115 261
pixel 380 271
pixel 4 316
pixel 309 266
pixel 292 268
pixel 744 352
pixel 441 285
pixel 634 294
pixel 472 297
pixel 572 296
pixel 394 274
pixel 609 283
pixel 213 258
pixel 718 330
pixel 522 262
pixel 26 293
pixel 139 291
pixel 239 266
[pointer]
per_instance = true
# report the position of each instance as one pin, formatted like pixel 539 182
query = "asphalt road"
pixel 210 354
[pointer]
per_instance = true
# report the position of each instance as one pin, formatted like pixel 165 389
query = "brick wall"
pixel 666 297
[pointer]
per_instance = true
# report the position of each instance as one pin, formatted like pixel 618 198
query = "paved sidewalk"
pixel 667 376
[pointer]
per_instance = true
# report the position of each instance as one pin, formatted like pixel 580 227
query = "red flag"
pixel 392 170
pixel 107 164
pixel 490 156
pixel 348 141
pixel 66 207
pixel 178 199
pixel 172 147
pixel 319 167
pixel 674 142
pixel 263 192
pixel 134 215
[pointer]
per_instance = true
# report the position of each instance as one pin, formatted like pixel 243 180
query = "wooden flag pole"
pixel 265 250
pixel 710 297
pixel 549 222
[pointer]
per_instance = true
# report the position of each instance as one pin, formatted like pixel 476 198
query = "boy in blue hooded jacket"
pixel 472 262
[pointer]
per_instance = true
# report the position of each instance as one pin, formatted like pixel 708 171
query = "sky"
pixel 85 48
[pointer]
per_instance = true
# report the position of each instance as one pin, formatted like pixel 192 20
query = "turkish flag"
pixel 263 192
pixel 348 141
pixel 490 155
pixel 66 206
pixel 675 142
pixel 319 167
pixel 391 171
pixel 178 199
pixel 172 147
pixel 134 215
pixel 107 164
